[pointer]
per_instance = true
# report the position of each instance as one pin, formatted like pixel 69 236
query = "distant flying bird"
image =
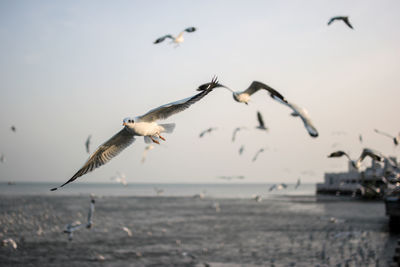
pixel 241 149
pixel 158 191
pixel 144 125
pixel 71 228
pixel 373 154
pixel 257 153
pixel 341 153
pixel 207 131
pixel 127 230
pixel 9 241
pixel 281 186
pixel 90 213
pixel 297 184
pixel 272 187
pixel 257 198
pixel 261 124
pixel 87 144
pixel 228 178
pixel 178 39
pixel 2 158
pixel 342 18
pixel 13 128
pixel 396 139
pixel 235 131
pixel 360 138
pixel 120 178
pixel 244 97
pixel 146 149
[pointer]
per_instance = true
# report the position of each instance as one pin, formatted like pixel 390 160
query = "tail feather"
pixel 168 127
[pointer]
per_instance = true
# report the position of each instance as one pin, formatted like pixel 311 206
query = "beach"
pixel 188 231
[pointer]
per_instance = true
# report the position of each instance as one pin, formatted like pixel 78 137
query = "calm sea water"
pixel 228 190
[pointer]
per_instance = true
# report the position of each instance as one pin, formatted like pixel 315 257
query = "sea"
pixel 225 190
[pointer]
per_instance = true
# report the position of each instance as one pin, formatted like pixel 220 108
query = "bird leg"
pixel 155 141
pixel 162 138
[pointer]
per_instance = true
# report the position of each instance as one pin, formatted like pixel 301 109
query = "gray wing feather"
pixel 170 109
pixel 255 86
pixel 161 39
pixel 104 153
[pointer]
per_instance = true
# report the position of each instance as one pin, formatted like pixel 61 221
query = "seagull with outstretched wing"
pixel 87 144
pixel 207 131
pixel 340 153
pixel 396 139
pixel 261 124
pixel 345 19
pixel 235 131
pixel 257 153
pixel 145 126
pixel 178 39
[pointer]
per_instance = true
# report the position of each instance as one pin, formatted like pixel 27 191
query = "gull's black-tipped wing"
pixel 161 39
pixel 190 29
pixel 346 20
pixel 104 153
pixel 337 154
pixel 255 86
pixel 260 120
pixel 170 109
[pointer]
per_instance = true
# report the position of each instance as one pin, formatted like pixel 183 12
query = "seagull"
pixel 272 187
pixel 341 153
pixel 367 152
pixel 11 242
pixel 257 153
pixel 87 144
pixel 178 39
pixel 261 125
pixel 360 138
pixel 144 125
pixel 396 139
pixel 343 18
pixel 235 131
pixel 209 130
pixel 158 191
pixel 146 149
pixel 257 198
pixel 297 184
pixel 228 178
pixel 127 230
pixel 241 149
pixel 90 213
pixel 2 158
pixel 120 178
pixel 71 228
pixel 281 186
pixel 13 128
pixel 244 97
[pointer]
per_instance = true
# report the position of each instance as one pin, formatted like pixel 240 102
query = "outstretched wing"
pixel 260 120
pixel 297 111
pixel 332 20
pixel 255 86
pixel 170 109
pixel 346 20
pixel 161 39
pixel 104 153
pixel 190 29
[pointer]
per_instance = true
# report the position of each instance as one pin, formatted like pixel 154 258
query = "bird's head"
pixel 128 122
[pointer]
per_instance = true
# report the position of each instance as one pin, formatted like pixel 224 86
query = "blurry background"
pixel 73 68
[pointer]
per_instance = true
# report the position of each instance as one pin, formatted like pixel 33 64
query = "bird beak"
pixel 124 124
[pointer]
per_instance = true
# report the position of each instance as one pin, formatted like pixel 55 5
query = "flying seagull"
pixel 360 138
pixel 146 149
pixel 235 131
pixel 13 128
pixel 178 39
pixel 257 153
pixel 87 144
pixel 342 18
pixel 297 184
pixel 71 228
pixel 261 124
pixel 90 213
pixel 396 139
pixel 373 154
pixel 228 178
pixel 209 130
pixel 127 230
pixel 144 125
pixel 120 178
pixel 244 97
pixel 2 158
pixel 241 149
pixel 341 153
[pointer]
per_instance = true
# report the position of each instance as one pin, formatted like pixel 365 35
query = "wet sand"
pixel 183 231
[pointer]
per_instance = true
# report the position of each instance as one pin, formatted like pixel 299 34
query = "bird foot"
pixel 155 141
pixel 162 138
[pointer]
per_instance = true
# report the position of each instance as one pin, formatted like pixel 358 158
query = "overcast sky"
pixel 73 68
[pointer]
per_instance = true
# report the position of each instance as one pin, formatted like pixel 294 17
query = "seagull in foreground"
pixel 90 213
pixel 209 130
pixel 235 131
pixel 144 125
pixel 261 124
pixel 71 228
pixel 244 97
pixel 146 149
pixel 87 144
pixel 257 153
pixel 178 39
pixel 120 178
pixel 396 139
pixel 342 18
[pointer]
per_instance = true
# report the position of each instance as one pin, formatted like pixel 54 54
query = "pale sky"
pixel 73 68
